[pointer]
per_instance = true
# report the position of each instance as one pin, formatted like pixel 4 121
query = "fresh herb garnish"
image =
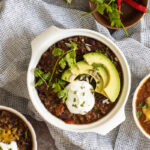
pixel 68 1
pixel 98 51
pixel 92 91
pixel 82 105
pixel 74 105
pixel 63 94
pixel 95 107
pixel 43 77
pixel 1 148
pixel 110 7
pixel 83 94
pixel 140 105
pixel 8 142
pixel 145 106
pixel 138 113
pixel 75 92
pixel 82 87
pixel 58 87
pixel 74 100
pixel 26 134
pixel 64 58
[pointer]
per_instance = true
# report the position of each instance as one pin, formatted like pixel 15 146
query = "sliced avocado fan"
pixel 112 88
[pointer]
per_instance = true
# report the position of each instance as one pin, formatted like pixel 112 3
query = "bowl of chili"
pixel 120 14
pixel 42 45
pixel 15 128
pixel 141 106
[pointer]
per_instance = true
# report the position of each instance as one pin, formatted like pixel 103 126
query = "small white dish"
pixel 13 111
pixel 52 35
pixel 134 106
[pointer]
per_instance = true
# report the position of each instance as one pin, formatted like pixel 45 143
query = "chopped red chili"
pixel 135 5
pixel 119 3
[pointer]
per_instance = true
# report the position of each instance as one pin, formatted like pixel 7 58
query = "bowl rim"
pixel 96 16
pixel 65 33
pixel 134 106
pixel 23 118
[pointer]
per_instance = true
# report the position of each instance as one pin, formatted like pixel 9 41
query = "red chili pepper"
pixel 135 5
pixel 119 2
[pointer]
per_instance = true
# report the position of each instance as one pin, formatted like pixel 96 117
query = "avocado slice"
pixel 83 68
pixel 112 89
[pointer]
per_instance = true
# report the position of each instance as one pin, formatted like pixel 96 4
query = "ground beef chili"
pixel 12 128
pixel 50 99
pixel 142 97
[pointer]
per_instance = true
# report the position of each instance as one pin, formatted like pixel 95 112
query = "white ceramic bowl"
pixel 34 141
pixel 134 106
pixel 52 35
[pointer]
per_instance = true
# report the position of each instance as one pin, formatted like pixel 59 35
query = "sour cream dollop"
pixel 11 145
pixel 80 97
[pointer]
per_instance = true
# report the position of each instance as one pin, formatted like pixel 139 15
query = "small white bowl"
pixel 134 106
pixel 13 111
pixel 52 35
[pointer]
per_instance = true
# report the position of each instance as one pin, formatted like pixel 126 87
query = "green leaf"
pixel 26 134
pixel 63 94
pixel 62 63
pixel 57 52
pixel 56 87
pixel 46 76
pixel 39 83
pixel 97 1
pixel 61 82
pixel 145 106
pixel 138 114
pixel 98 51
pixel 38 72
pixel 73 46
pixel 69 59
pixel 68 1
pixel 140 105
pixel 148 11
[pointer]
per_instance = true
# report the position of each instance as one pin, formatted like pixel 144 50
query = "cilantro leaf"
pixel 46 76
pixel 73 46
pixel 43 77
pixel 68 1
pixel 57 52
pixel 38 72
pixel 61 82
pixel 68 57
pixel 138 114
pixel 97 1
pixel 39 83
pixel 63 94
pixel 56 87
pixel 62 63
pixel 145 106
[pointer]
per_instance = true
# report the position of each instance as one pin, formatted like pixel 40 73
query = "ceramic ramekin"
pixel 134 106
pixel 52 35
pixel 34 141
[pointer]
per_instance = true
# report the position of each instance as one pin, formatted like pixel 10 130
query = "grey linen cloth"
pixel 21 21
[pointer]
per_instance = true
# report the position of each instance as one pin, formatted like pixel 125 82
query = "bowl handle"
pixel 41 42
pixel 112 123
